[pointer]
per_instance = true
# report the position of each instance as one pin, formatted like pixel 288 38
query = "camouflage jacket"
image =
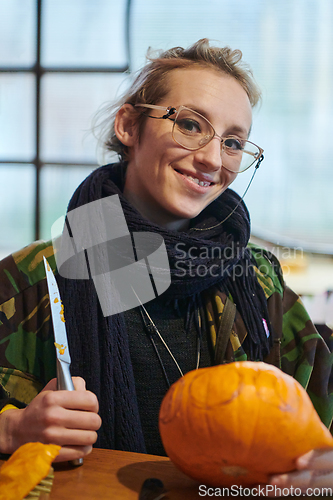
pixel 27 352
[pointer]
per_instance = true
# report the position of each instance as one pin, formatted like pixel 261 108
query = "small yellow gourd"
pixel 27 466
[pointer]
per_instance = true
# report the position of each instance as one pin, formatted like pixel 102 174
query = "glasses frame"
pixel 170 110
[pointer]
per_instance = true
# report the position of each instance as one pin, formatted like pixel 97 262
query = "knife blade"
pixel 64 379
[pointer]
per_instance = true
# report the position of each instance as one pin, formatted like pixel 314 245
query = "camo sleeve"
pixel 304 354
pixel 27 357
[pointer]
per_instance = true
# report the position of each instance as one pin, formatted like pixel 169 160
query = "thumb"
pixel 51 385
pixel 79 383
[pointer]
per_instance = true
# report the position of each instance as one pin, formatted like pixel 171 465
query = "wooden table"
pixel 119 475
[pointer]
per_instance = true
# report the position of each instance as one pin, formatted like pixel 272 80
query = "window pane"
pixel 289 45
pixel 17 202
pixel 69 103
pixel 17 32
pixel 17 126
pixel 83 33
pixel 58 184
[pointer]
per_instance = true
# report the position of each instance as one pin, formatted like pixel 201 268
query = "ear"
pixel 125 125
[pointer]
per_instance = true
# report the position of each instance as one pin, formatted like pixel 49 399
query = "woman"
pixel 182 134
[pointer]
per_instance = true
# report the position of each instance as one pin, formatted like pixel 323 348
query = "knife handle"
pixel 64 379
pixel 65 383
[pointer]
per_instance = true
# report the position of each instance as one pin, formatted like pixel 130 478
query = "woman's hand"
pixel 67 418
pixel 314 470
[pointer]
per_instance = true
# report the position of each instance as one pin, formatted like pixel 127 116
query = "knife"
pixel 64 379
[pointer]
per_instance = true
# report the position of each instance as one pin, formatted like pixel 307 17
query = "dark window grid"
pixel 38 71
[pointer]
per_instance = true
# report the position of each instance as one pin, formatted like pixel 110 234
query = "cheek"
pixel 227 178
pixel 232 177
pixel 163 160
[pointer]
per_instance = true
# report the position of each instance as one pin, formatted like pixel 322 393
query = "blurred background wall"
pixel 61 60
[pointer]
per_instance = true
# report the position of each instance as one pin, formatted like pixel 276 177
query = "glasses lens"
pixel 239 155
pixel 191 130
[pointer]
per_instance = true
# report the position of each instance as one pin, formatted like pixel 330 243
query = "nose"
pixel 210 155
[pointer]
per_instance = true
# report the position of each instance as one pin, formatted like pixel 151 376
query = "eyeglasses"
pixel 193 131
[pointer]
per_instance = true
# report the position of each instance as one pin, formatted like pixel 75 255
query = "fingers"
pixel 70 419
pixel 73 400
pixel 67 418
pixel 306 481
pixel 68 437
pixel 298 479
pixel 60 417
pixel 320 459
pixel 315 471
pixel 57 425
pixel 72 453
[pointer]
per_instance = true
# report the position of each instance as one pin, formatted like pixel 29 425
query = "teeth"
pixel 200 183
pixel 193 179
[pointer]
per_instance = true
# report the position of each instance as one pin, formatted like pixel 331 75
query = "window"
pixel 61 59
pixel 289 45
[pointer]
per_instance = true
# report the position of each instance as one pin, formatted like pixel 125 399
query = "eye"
pixel 233 144
pixel 189 126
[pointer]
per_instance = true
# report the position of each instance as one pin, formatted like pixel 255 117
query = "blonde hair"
pixel 151 84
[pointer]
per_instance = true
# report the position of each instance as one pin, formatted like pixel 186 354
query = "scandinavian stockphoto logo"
pixel 128 269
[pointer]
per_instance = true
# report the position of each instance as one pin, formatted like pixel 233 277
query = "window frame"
pixel 38 71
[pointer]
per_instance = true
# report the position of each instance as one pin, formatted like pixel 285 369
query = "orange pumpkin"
pixel 238 423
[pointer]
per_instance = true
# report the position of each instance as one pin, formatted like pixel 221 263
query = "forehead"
pixel 211 91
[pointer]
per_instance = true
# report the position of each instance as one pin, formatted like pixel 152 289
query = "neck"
pixel 155 216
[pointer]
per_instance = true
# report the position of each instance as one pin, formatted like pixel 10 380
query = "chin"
pixel 185 213
pixel 185 210
pixel 190 213
pixel 186 216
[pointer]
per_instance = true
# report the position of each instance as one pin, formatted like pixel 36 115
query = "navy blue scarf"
pixel 99 346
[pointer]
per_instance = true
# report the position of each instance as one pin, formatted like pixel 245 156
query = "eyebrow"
pixel 235 129
pixel 241 130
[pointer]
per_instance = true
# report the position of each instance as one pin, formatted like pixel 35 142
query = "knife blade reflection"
pixel 64 379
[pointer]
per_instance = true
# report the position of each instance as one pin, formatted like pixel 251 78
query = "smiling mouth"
pixel 195 180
